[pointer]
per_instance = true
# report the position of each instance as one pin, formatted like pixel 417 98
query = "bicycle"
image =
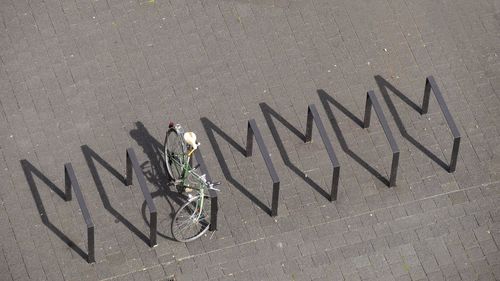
pixel 192 220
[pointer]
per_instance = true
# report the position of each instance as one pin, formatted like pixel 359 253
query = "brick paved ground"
pixel 111 74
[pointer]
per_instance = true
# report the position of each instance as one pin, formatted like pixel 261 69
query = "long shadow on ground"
pixel 383 86
pixel 326 100
pixel 155 172
pixel 210 128
pixel 269 113
pixel 29 171
pixel 90 155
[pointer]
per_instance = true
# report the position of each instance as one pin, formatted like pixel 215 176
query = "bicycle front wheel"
pixel 175 154
pixel 192 220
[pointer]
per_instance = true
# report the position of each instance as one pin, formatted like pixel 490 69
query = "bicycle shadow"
pixel 210 128
pixel 326 99
pixel 155 172
pixel 90 155
pixel 384 85
pixel 29 171
pixel 269 113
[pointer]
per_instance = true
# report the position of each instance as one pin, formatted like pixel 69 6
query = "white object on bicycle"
pixel 213 188
pixel 190 138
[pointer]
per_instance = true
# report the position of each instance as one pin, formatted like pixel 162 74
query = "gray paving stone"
pixel 70 79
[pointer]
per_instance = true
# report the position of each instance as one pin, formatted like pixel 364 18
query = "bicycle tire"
pixel 174 149
pixel 188 218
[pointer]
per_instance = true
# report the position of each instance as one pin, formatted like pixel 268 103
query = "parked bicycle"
pixel 192 220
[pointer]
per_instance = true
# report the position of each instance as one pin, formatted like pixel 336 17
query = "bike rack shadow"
pixel 29 171
pixel 269 113
pixel 326 100
pixel 156 173
pixel 384 85
pixel 71 182
pixel 90 155
pixel 254 132
pixel 214 200
pixel 210 128
pixel 133 167
pixel 153 149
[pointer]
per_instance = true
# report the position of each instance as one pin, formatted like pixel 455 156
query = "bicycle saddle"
pixel 190 138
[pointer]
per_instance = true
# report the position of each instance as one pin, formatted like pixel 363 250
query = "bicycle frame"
pixel 187 169
pixel 188 180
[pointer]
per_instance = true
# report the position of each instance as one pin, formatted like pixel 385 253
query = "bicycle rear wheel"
pixel 192 220
pixel 175 154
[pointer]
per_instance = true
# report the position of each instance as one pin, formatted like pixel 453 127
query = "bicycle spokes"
pixel 191 221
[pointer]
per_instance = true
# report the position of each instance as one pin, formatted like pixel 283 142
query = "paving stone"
pixel 76 74
pixel 435 276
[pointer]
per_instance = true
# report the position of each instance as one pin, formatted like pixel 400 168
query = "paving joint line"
pixel 306 227
pixel 340 219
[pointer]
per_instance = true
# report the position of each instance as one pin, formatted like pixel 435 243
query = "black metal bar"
pixel 309 123
pixel 394 168
pixel 427 95
pixel 368 112
pixel 67 184
pixel 275 199
pixel 313 115
pixel 371 101
pixel 253 131
pixel 91 244
pixel 335 183
pixel 133 164
pixel 214 206
pixel 214 209
pixel 430 84
pixel 70 181
pixel 128 172
pixel 249 148
pixel 454 154
pixel 153 217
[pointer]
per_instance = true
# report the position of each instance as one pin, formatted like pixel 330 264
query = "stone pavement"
pixel 81 81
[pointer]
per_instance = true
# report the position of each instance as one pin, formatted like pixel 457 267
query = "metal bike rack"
pixel 214 206
pixel 312 115
pixel 70 181
pixel 133 164
pixel 371 100
pixel 253 130
pixel 430 84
